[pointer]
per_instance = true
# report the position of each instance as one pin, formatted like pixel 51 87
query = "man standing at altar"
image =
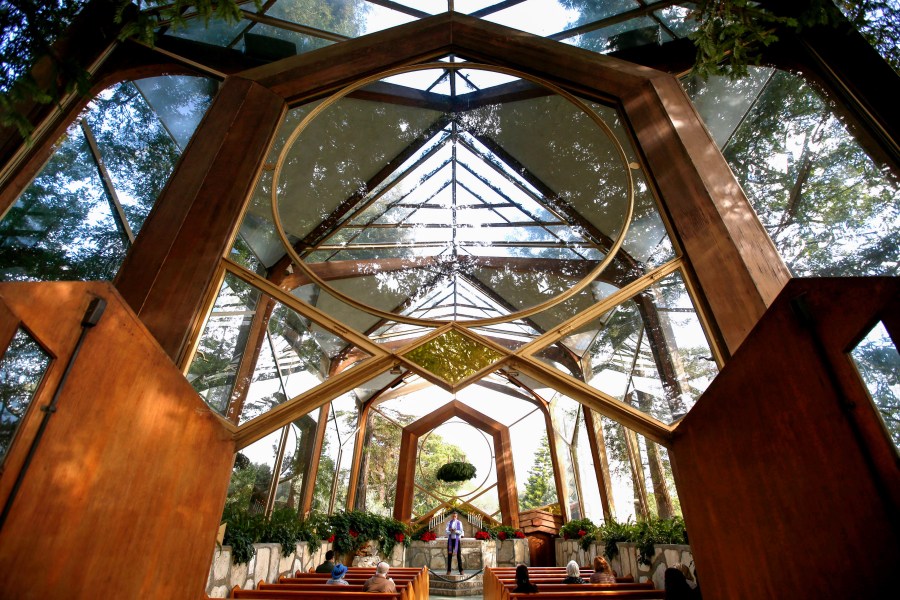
pixel 454 535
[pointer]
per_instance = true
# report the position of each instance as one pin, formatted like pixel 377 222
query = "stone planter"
pixel 267 564
pixel 475 554
pixel 626 563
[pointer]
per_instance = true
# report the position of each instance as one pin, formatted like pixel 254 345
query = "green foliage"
pixel 580 529
pixel 646 534
pixel 540 489
pixel 283 528
pixel 243 530
pixel 456 471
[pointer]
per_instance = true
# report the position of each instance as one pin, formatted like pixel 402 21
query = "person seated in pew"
pixel 337 575
pixel 602 572
pixel 573 573
pixel 677 587
pixel 523 584
pixel 328 565
pixel 380 582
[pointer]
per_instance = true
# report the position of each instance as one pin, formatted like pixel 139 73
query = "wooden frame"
pixel 506 480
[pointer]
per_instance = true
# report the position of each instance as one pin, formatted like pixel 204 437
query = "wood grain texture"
pixel 775 473
pixel 175 257
pixel 737 266
pixel 112 505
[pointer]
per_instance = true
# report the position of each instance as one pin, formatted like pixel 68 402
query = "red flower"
pixel 566 536
pixel 502 535
pixel 582 533
pixel 354 534
pixel 520 535
pixel 399 537
pixel 429 536
pixel 482 535
pixel 330 538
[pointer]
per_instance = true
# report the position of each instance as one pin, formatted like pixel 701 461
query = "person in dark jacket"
pixel 328 565
pixel 523 584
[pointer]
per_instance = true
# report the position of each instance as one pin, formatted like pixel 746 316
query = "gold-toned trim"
pixel 592 398
pixel 586 316
pixel 200 324
pixel 301 404
pixel 587 280
pixel 325 321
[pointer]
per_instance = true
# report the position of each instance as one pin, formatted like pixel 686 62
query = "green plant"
pixel 610 533
pixel 283 528
pixel 456 471
pixel 242 532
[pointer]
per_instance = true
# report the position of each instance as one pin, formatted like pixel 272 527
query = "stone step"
pixel 455 586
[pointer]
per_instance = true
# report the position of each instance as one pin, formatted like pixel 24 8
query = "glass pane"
pixel 555 15
pixel 301 42
pixel 534 466
pixel 587 476
pixel 352 18
pixel 61 227
pixel 21 370
pixel 337 455
pixel 137 150
pixel 829 208
pixel 621 474
pixel 252 475
pixel 180 102
pixel 878 362
pixel 640 31
pixel 294 466
pixel 453 356
pixel 256 353
pixel 877 21
pixel 650 352
pixel 382 452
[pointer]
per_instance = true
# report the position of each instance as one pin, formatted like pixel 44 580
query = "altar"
pixel 476 554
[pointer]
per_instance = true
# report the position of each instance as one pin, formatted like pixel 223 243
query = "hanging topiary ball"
pixel 456 471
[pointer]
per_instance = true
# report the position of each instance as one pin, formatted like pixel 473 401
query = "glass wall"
pixel 79 217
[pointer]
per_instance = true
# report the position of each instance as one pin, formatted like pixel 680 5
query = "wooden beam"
pixel 165 277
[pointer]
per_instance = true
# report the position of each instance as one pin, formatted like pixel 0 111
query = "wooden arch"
pixel 506 477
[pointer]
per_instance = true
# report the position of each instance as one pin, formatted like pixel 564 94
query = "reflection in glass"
pixel 22 369
pixel 878 362
pixel 333 476
pixel 453 356
pixel 649 352
pixel 536 478
pixel 830 209
pixel 256 353
pixel 382 455
pixel 61 227
pixel 251 476
pixel 295 464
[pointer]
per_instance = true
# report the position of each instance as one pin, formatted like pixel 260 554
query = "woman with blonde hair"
pixel 602 571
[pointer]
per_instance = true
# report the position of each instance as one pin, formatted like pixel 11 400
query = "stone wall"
pixel 475 554
pixel 626 563
pixel 267 564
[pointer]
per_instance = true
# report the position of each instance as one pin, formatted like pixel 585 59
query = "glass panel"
pixel 452 356
pixel 587 476
pixel 677 19
pixel 649 352
pixel 534 466
pixel 878 362
pixel 294 466
pixel 302 43
pixel 415 221
pixel 621 475
pixel 337 455
pixel 555 15
pixel 640 31
pixel 829 208
pixel 382 453
pixel 137 150
pixel 273 352
pixel 22 369
pixel 352 18
pixel 252 475
pixel 877 21
pixel 61 227
pixel 179 102
pixel 218 32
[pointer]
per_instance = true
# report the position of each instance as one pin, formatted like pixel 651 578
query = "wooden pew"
pixel 414 581
pixel 325 594
pixel 499 583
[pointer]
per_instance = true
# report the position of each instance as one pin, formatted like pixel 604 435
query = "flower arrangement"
pixel 501 535
pixel 456 471
pixel 482 535
pixel 428 536
pixel 330 539
pixel 399 537
pixel 520 535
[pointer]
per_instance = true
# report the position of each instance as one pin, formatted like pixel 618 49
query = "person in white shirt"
pixel 454 535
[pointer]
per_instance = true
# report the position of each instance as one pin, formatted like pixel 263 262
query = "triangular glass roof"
pixel 447 194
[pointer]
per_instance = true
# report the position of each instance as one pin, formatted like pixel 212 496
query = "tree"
pixel 540 488
pixel 249 484
pixel 827 206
